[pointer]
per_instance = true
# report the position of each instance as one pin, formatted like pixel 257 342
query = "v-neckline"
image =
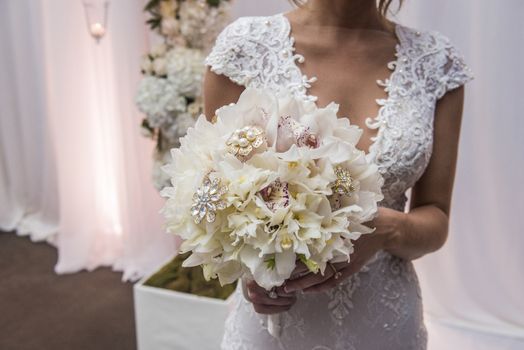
pixel 376 122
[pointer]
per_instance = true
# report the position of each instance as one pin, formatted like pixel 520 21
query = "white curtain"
pixel 55 77
pixel 74 169
pixel 108 208
pixel 472 288
pixel 28 197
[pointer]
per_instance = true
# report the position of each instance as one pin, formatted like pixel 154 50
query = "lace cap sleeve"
pixel 226 57
pixel 453 71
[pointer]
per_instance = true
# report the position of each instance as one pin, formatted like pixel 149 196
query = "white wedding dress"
pixel 379 308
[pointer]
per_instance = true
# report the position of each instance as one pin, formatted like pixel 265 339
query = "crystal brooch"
pixel 207 200
pixel 344 184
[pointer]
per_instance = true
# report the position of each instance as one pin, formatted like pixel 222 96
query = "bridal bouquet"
pixel 272 182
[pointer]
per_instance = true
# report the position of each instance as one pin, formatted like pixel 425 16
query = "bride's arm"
pixel 424 229
pixel 219 91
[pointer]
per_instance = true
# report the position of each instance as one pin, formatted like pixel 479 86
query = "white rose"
pixel 146 66
pixel 168 8
pixel 170 27
pixel 196 107
pixel 146 132
pixel 160 66
pixel 159 50
pixel 200 23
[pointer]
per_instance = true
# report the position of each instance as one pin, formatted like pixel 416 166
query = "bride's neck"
pixel 342 13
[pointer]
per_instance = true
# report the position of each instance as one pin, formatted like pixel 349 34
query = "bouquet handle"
pixel 273 321
pixel 273 325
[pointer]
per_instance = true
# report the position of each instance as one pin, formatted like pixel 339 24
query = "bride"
pixel 404 88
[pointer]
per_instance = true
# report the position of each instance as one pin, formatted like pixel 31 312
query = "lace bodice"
pixel 259 52
pixel 384 297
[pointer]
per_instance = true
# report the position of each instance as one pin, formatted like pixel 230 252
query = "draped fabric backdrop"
pixel 70 148
pixel 55 77
pixel 473 287
pixel 28 197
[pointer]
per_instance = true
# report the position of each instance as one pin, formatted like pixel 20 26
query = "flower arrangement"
pixel 274 181
pixel 170 92
pixel 191 23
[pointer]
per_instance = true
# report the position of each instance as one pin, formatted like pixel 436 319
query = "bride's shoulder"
pixel 240 47
pixel 425 41
pixel 253 27
pixel 436 59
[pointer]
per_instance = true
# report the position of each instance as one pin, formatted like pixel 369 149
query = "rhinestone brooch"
pixel 207 200
pixel 344 184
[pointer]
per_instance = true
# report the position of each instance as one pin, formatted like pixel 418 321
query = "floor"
pixel 44 311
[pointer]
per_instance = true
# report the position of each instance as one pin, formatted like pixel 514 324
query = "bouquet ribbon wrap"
pixel 273 321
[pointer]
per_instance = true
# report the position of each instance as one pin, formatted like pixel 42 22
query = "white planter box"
pixel 169 320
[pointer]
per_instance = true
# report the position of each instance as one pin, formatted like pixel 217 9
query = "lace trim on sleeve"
pixel 226 57
pixel 455 72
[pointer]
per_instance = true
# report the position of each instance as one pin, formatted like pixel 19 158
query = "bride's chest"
pixel 401 132
pixel 401 124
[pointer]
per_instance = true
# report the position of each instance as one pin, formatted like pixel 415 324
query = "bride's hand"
pixel 264 304
pixel 388 223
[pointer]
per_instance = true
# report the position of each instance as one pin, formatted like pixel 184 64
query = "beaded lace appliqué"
pixel 381 304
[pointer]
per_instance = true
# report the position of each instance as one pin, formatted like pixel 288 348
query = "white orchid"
pixel 185 70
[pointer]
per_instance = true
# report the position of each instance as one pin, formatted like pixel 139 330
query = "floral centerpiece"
pixel 170 94
pixel 272 182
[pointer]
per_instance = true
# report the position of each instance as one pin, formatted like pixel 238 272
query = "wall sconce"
pixel 96 12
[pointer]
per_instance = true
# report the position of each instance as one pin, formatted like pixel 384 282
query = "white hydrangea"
pixel 159 177
pixel 160 100
pixel 174 131
pixel 185 70
pixel 170 92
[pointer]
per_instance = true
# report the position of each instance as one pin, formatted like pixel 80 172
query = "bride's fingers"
pixel 307 281
pixel 282 293
pixel 270 309
pixel 319 288
pixel 299 271
pixel 328 284
pixel 265 299
pixel 344 269
pixel 258 295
